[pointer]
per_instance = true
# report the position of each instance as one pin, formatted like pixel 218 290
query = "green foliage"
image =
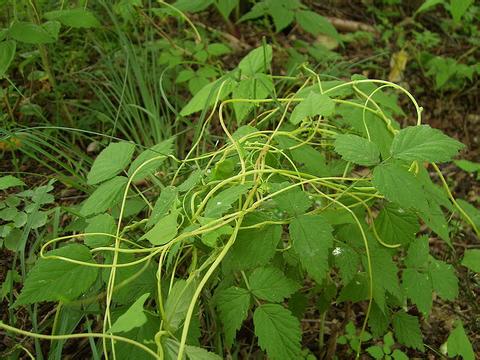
pixel 458 343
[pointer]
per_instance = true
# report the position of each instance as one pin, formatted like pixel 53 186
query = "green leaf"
pixel 314 104
pixel 253 247
pixel 444 280
pixel 132 318
pixel 397 184
pixel 30 33
pixel 458 343
pixel 294 201
pixel 105 196
pixel 110 162
pixel 233 304
pixel 357 149
pixel 161 150
pixel 385 276
pixel 197 353
pixel 417 255
pixel 218 49
pixel 347 261
pixel 223 201
pixel 356 290
pixel 165 203
pixel 316 24
pixel 407 330
pixel 103 223
pixel 282 16
pixel 177 303
pixel 144 335
pixel 418 287
pixel 258 87
pixel 399 355
pixel 59 280
pixel 471 211
pixel 208 94
pixel 9 181
pixel 396 225
pixel 312 238
pixel 458 8
pixel 424 143
pixel 257 60
pixel 77 18
pixel 471 259
pixel 375 351
pixel 271 284
pixel 468 166
pixel 7 53
pixel 278 331
pixel 225 7
pixel 429 4
pixel 163 231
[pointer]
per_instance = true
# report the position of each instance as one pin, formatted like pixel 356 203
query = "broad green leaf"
pixel 418 287
pixel 407 330
pixel 395 225
pixel 132 318
pixel 257 60
pixel 257 87
pixel 471 259
pixel 192 6
pixel 103 223
pixel 110 162
pixel 59 280
pixel 316 24
pixel 458 343
pixel 223 201
pixel 347 261
pixel 293 201
pixel 397 184
pixel 252 247
pixel 7 53
pixel 77 18
pixel 105 196
pixel 30 33
pixel 192 180
pixel 212 237
pixel 444 280
pixel 278 332
pixel 357 149
pixel 163 231
pixel 233 304
pixel 314 104
pixel 271 284
pixel 177 303
pixel 468 166
pixel 428 4
pixel 206 97
pixel 472 212
pixel 424 143
pixel 356 290
pixel 417 255
pixel 399 355
pixel 163 205
pixel 53 28
pixel 281 15
pixel 160 151
pixel 197 353
pixel 385 276
pixel 312 238
pixel 375 351
pixel 458 8
pixel 9 181
pixel 225 7
pixel 144 334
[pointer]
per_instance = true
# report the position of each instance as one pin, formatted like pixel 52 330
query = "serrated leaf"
pixel 424 143
pixel 314 104
pixel 385 276
pixel 396 225
pixel 257 60
pixel 7 53
pixel 223 201
pixel 9 181
pixel 177 303
pixel 103 223
pixel 163 231
pixel 471 260
pixel 458 343
pixel 105 196
pixel 30 33
pixel 399 185
pixel 357 149
pixel 375 351
pixel 407 330
pixel 110 162
pixel 233 304
pixel 132 318
pixel 271 284
pixel 444 280
pixel 252 247
pixel 293 201
pixel 77 18
pixel 163 205
pixel 471 211
pixel 162 150
pixel 356 290
pixel 197 353
pixel 278 331
pixel 347 260
pixel 418 287
pixel 58 280
pixel 312 239
pixel 417 255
